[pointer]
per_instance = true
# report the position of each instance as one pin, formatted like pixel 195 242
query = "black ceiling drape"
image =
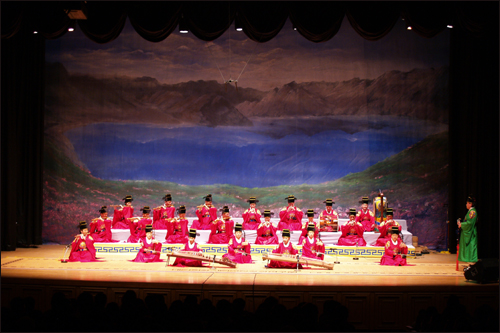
pixel 317 21
pixel 105 21
pixel 154 20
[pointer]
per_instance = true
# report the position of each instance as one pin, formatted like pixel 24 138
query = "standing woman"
pixel 467 250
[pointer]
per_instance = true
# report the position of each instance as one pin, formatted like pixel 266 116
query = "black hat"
pixel 192 233
pixel 146 209
pixel 83 225
pixel 252 200
pixel 103 209
pixel 364 200
pixel 310 213
pixel 311 227
pixel 286 233
pixel 238 227
pixel 128 198
pixel 471 199
pixel 225 209
pixel 394 230
pixel 208 197
pixel 352 211
pixel 181 210
pixel 329 202
pixel 167 197
pixel 290 198
pixel 267 212
pixel 149 228
pixel 389 211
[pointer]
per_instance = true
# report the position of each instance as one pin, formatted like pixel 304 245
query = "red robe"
pixel 205 217
pixel 290 220
pixel 384 236
pixel 266 235
pixel 351 234
pixel 221 232
pixel 303 235
pixel 235 250
pixel 138 230
pixel 367 219
pixel 144 254
pixel 177 230
pixel 251 219
pixel 120 217
pixel 181 262
pixel 82 249
pixel 162 215
pixel 100 230
pixel 291 250
pixel 309 249
pixel 333 217
pixel 389 258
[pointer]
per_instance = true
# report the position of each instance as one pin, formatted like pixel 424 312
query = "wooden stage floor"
pixel 362 285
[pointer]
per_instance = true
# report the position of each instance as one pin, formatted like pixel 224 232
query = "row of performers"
pixel 83 250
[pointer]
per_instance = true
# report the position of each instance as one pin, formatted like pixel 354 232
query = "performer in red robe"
pixel 221 229
pixel 100 228
pixel 121 215
pixel 151 248
pixel 251 216
pixel 310 220
pixel 365 216
pixel 386 226
pixel 191 246
pixel 138 226
pixel 290 216
pixel 238 249
pixel 328 218
pixel 164 214
pixel 206 215
pixel 266 233
pixel 287 248
pixel 82 247
pixel 352 232
pixel 393 250
pixel 311 246
pixel 177 228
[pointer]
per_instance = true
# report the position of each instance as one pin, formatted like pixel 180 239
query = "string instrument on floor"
pixel 193 255
pixel 293 259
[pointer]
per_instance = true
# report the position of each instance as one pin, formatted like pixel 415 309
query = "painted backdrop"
pixel 235 118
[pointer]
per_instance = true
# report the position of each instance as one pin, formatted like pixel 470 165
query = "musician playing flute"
pixel 206 213
pixel 162 215
pixel 285 248
pixel 221 229
pixel 290 216
pixel 191 246
pixel 100 228
pixel 266 233
pixel 82 247
pixel 352 232
pixel 251 216
pixel 138 226
pixel 328 218
pixel 393 250
pixel 311 246
pixel 384 228
pixel 310 220
pixel 151 248
pixel 122 214
pixel 177 228
pixel 238 248
pixel 365 216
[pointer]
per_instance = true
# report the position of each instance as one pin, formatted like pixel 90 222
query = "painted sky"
pixel 181 58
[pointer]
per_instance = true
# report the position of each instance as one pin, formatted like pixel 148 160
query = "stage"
pixel 362 285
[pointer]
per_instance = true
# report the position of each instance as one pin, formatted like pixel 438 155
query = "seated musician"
pixel 191 246
pixel 328 219
pixel 221 229
pixel 384 228
pixel 163 214
pixel 311 246
pixel 352 232
pixel 310 219
pixel 266 233
pixel 285 248
pixel 122 214
pixel 177 228
pixel 138 226
pixel 82 247
pixel 100 228
pixel 151 248
pixel 393 250
pixel 365 216
pixel 251 216
pixel 290 216
pixel 206 213
pixel 238 248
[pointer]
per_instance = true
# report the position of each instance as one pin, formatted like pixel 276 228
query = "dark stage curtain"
pixel 372 20
pixel 208 27
pixel 105 21
pixel 317 21
pixel 154 20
